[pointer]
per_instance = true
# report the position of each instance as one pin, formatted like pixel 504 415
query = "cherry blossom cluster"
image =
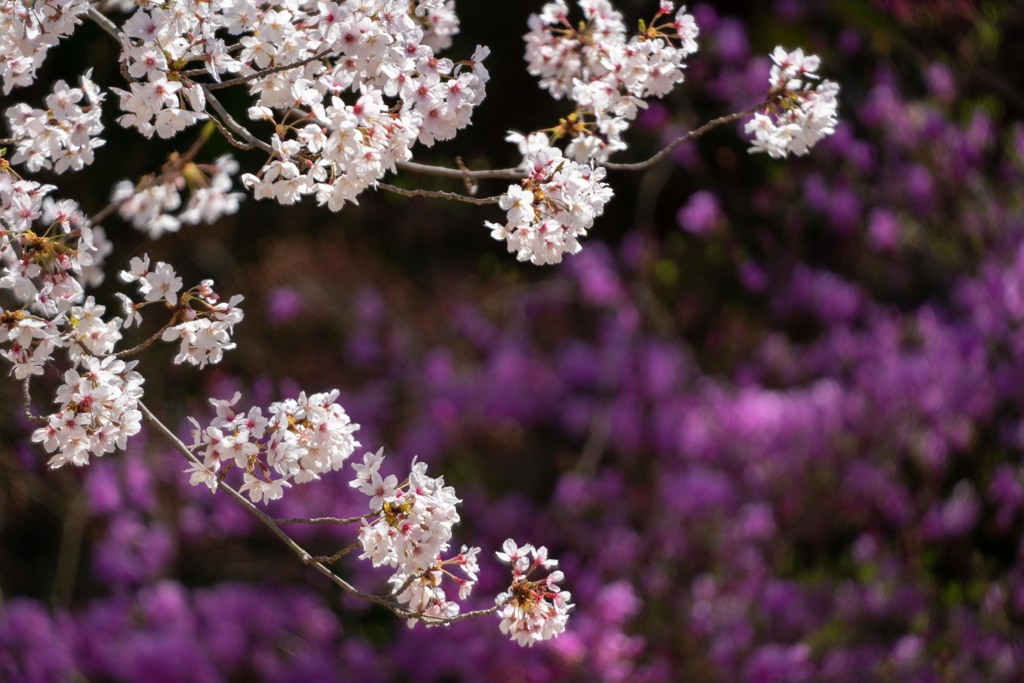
pixel 202 323
pixel 441 23
pixel 409 528
pixel 298 440
pixel 28 30
pixel 349 87
pixel 605 74
pixel 98 411
pixel 555 204
pixel 32 342
pixel 157 43
pixel 48 251
pixel 335 149
pixel 148 205
pixel 62 136
pixel 802 113
pixel 46 270
pixel 532 610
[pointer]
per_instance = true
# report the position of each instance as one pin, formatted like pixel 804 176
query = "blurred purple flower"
pixel 883 230
pixel 941 82
pixel 700 214
pixel 284 304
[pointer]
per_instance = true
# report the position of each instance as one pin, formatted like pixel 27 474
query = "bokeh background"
pixel 769 420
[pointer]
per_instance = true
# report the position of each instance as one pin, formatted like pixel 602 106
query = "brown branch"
pixel 461 174
pixel 104 23
pixel 467 175
pixel 322 520
pixel 267 72
pixel 149 342
pixel 331 559
pixel 110 208
pixel 28 402
pixel 459 617
pixel 264 518
pixel 232 140
pixel 438 194
pixel 238 129
pixel 472 187
pixel 686 137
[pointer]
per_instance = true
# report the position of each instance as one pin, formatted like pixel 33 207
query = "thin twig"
pixel 263 517
pixel 110 208
pixel 232 124
pixel 28 402
pixel 686 137
pixel 149 342
pixel 104 23
pixel 322 520
pixel 232 140
pixel 267 72
pixel 408 582
pixel 331 559
pixel 466 174
pixel 460 617
pixel 472 187
pixel 438 194
pixel 444 172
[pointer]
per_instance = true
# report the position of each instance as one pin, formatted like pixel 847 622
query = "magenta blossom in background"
pixel 285 304
pixel 700 214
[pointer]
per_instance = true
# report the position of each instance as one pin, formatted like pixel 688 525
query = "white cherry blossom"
pixel 802 112
pixel 554 207
pixel 534 610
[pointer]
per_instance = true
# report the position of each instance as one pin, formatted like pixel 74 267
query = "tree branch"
pixel 238 129
pixel 331 559
pixel 104 23
pixel 466 174
pixel 322 520
pixel 149 342
pixel 686 137
pixel 27 396
pixel 438 194
pixel 461 174
pixel 267 72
